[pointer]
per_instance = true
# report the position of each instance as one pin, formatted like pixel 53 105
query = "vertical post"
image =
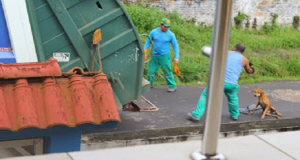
pixel 216 82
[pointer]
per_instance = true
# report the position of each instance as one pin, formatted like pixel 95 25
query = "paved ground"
pixel 173 107
pixel 275 146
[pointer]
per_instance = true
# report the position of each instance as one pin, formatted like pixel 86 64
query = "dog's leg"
pixel 276 112
pixel 272 115
pixel 264 113
pixel 253 110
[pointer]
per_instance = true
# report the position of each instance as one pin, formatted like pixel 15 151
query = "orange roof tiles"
pixel 48 101
pixel 34 69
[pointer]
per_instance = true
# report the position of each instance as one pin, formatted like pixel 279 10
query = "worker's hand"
pixel 146 53
pixel 176 61
pixel 176 69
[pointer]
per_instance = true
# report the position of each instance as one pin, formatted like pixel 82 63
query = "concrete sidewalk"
pixel 171 119
pixel 248 138
pixel 275 146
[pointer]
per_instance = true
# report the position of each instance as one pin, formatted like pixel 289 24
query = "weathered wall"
pixel 203 10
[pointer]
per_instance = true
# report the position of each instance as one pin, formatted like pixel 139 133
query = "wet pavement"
pixel 171 118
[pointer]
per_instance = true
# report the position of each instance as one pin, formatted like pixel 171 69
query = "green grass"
pixel 275 53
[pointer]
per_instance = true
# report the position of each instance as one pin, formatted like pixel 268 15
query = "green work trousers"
pixel 164 62
pixel 230 91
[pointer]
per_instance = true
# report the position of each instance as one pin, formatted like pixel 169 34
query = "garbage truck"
pixel 100 62
pixel 64 30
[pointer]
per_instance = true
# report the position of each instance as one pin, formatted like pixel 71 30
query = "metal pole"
pixel 216 80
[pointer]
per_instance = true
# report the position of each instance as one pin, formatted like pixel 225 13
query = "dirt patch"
pixel 285 94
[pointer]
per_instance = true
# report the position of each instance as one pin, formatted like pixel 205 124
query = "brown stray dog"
pixel 265 104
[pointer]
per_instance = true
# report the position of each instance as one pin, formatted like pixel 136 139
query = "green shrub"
pixel 267 27
pixel 254 26
pixel 274 21
pixel 238 20
pixel 274 25
pixel 296 22
pixel 247 25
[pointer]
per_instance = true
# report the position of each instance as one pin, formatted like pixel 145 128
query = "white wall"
pixel 203 10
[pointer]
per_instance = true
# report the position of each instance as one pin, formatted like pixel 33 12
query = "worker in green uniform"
pixel 162 37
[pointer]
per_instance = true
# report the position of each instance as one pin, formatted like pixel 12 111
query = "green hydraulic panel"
pixel 64 29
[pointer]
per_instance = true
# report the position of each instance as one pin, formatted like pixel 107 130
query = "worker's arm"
pixel 176 49
pixel 147 45
pixel 207 51
pixel 148 40
pixel 247 65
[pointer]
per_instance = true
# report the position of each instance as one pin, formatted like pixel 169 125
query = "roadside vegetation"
pixel 274 50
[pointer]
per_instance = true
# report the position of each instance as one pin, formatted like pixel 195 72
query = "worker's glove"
pixel 146 53
pixel 250 64
pixel 176 69
pixel 206 50
pixel 252 70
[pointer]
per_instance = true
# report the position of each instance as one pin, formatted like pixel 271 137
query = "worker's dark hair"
pixel 240 47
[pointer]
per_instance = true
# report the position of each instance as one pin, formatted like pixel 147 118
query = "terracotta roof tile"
pixel 34 69
pixel 48 101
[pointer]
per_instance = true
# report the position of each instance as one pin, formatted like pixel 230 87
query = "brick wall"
pixel 203 10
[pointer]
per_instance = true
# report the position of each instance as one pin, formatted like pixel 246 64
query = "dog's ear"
pixel 261 91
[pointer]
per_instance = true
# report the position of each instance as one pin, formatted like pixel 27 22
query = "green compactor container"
pixel 66 27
